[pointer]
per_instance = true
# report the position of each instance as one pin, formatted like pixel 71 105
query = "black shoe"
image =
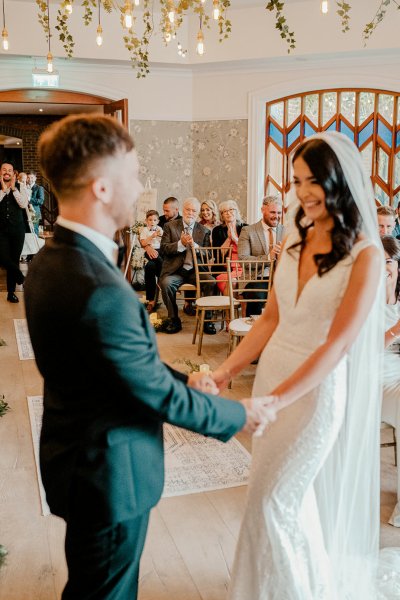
pixel 189 310
pixel 209 329
pixel 11 297
pixel 173 326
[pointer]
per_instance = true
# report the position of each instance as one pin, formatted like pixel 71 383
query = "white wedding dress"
pixel 281 553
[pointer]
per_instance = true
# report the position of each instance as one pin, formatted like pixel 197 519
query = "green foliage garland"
pixel 281 24
pixel 138 44
pixel 344 13
pixel 379 15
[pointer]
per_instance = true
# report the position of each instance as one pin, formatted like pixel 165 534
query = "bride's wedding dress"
pixel 282 552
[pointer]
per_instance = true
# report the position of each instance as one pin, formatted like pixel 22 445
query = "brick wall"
pixel 28 128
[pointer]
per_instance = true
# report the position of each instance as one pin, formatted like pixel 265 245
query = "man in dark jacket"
pixel 106 392
pixel 13 203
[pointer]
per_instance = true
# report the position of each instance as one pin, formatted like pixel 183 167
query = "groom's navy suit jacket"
pixel 106 392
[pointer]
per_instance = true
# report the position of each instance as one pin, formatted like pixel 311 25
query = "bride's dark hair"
pixel 340 204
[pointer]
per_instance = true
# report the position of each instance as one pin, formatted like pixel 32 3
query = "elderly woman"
pixel 209 214
pixel 391 361
pixel 227 234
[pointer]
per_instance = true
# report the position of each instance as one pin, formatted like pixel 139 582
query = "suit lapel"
pixel 198 235
pixel 261 236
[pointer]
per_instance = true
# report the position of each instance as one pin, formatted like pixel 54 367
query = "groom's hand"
pixel 203 382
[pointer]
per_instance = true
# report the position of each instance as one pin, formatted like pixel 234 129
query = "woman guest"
pixel 209 214
pixel 391 360
pixel 227 234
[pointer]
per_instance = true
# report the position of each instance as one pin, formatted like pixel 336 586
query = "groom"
pixel 106 392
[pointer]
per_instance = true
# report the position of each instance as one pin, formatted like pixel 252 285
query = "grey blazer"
pixel 252 242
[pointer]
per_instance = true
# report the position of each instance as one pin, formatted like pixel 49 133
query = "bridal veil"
pixel 348 486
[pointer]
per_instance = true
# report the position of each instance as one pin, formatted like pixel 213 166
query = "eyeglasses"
pixel 229 210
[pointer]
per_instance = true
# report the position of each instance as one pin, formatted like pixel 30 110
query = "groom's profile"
pixel 106 392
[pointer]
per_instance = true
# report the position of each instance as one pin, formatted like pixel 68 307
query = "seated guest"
pixel 170 210
pixel 386 220
pixel 150 240
pixel 226 235
pixel 178 237
pixel 262 241
pixel 391 360
pixel 209 214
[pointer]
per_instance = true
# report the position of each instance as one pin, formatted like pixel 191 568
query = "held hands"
pixel 260 413
pixel 222 377
pixel 203 382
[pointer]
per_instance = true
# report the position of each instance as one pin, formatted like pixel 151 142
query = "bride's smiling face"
pixel 309 192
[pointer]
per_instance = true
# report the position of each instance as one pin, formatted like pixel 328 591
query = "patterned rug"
pixel 193 463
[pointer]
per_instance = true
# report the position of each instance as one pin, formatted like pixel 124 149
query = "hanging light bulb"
pixel 50 66
pixel 216 10
pixel 324 6
pixel 68 7
pixel 99 36
pixel 4 42
pixel 128 16
pixel 4 34
pixel 200 43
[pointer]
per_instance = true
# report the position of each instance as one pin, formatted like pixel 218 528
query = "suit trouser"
pixel 170 283
pixel 103 562
pixel 255 308
pixel 11 244
pixel 152 272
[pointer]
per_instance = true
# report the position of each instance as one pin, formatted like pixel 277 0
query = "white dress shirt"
pixel 107 246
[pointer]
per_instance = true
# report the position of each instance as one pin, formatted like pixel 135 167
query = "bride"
pixel 311 524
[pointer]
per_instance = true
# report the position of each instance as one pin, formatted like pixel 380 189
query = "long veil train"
pixel 348 487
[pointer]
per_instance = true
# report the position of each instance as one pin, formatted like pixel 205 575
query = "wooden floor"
pixel 190 545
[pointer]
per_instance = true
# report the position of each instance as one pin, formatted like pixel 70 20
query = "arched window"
pixel 370 118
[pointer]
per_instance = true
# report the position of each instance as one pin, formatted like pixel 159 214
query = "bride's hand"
pixel 263 410
pixel 221 377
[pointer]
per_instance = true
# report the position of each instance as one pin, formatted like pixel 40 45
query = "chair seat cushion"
pixel 217 301
pixel 186 287
pixel 240 326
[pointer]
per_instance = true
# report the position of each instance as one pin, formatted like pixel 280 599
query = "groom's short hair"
pixel 70 150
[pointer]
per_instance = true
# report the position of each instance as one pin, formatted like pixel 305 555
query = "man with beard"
pixel 13 202
pixel 262 241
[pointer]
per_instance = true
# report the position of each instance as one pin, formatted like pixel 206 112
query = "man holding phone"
pixel 13 202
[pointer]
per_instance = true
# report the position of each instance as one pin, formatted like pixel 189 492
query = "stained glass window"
pixel 371 118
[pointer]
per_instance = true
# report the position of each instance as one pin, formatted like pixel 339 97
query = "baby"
pixel 150 240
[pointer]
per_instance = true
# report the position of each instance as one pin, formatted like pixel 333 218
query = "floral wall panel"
pixel 165 156
pixel 220 161
pixel 206 159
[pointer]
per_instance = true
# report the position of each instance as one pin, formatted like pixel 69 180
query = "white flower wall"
pixel 206 159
